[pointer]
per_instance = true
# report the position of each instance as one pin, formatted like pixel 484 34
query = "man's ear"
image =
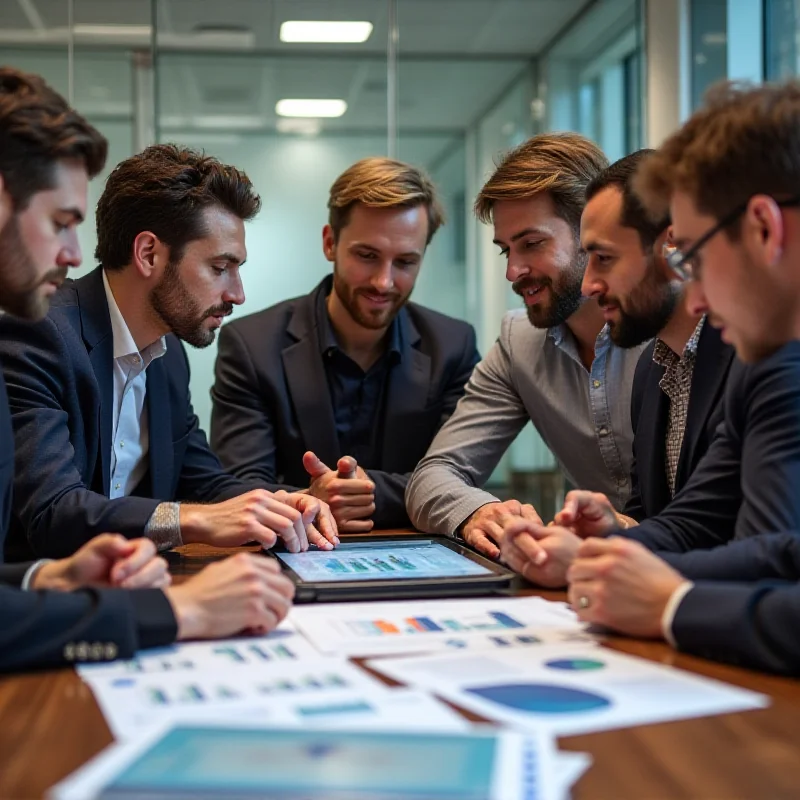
pixel 148 252
pixel 6 204
pixel 763 230
pixel 329 243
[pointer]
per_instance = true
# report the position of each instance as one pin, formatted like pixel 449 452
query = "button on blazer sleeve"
pixel 47 629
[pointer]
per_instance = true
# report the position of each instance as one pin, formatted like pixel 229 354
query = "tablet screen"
pixel 208 762
pixel 376 561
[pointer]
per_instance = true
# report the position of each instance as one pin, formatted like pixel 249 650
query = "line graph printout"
pixel 282 645
pixel 361 629
pixel 381 561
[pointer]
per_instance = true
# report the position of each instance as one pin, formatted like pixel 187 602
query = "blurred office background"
pixel 445 84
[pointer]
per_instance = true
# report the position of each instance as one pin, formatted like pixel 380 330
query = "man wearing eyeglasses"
pixel 730 177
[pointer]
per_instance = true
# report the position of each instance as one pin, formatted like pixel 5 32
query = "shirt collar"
pixel 561 334
pixel 327 336
pixel 664 355
pixel 124 345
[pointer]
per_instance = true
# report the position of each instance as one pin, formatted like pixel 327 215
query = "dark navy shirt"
pixel 358 397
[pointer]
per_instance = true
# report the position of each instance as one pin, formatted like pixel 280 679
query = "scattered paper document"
pixel 282 645
pixel 568 689
pixel 369 629
pixel 133 701
pixel 250 761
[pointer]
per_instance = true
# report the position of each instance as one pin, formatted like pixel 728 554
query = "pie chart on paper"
pixel 540 698
pixel 575 664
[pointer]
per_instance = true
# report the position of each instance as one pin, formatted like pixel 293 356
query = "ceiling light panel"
pixel 319 32
pixel 310 108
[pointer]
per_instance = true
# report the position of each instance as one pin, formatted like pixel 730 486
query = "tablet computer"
pixel 389 567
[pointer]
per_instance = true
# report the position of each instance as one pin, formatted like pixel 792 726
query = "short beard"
pixel 349 299
pixel 179 311
pixel 651 305
pixel 565 295
pixel 19 288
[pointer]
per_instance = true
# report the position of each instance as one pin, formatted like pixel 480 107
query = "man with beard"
pixel 80 608
pixel 680 378
pixel 104 429
pixel 558 368
pixel 346 387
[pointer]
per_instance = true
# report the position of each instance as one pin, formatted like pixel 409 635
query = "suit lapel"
pixel 160 430
pixel 711 367
pixel 407 391
pixel 308 384
pixel 652 433
pixel 99 340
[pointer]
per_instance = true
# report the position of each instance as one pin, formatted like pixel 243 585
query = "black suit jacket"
pixel 747 483
pixel 650 415
pixel 59 375
pixel 271 398
pixel 745 604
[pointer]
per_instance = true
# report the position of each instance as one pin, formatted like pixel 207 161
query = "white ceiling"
pixel 455 58
pixel 476 27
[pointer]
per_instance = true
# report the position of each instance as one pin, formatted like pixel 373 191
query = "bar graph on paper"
pixel 488 622
pixel 279 647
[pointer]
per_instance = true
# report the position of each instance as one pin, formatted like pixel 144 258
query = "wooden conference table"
pixel 50 725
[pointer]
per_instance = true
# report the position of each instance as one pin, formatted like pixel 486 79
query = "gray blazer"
pixel 530 375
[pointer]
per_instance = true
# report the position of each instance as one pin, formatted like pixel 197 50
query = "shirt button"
pixel 603 431
pixel 117 486
pixel 137 360
pixel 596 384
pixel 122 444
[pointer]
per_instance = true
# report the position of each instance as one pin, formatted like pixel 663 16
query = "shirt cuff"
pixel 164 526
pixel 30 573
pixel 672 608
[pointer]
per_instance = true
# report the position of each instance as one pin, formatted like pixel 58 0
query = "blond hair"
pixel 561 164
pixel 383 183
pixel 744 140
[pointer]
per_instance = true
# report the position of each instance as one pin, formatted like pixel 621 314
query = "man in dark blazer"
pixel 79 608
pixel 347 386
pixel 106 436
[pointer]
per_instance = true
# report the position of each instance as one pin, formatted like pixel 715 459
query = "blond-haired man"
pixel 342 390
pixel 555 366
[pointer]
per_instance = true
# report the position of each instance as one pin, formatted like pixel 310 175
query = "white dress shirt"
pixel 129 425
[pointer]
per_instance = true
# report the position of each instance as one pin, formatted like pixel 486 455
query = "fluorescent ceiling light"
pixel 310 108
pixel 320 31
pixel 304 127
pixel 112 30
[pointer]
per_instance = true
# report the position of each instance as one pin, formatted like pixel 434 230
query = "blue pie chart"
pixel 541 698
pixel 575 664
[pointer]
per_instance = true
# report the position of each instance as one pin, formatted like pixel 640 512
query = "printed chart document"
pixel 368 629
pixel 282 645
pixel 568 689
pixel 255 762
pixel 319 687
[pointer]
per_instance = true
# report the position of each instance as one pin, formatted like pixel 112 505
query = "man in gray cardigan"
pixel 557 368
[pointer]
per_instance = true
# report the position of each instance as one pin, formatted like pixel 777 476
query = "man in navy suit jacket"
pixel 730 177
pixel 353 375
pixel 99 390
pixel 47 154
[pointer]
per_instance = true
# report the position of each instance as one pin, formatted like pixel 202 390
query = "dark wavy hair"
pixel 164 190
pixel 37 130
